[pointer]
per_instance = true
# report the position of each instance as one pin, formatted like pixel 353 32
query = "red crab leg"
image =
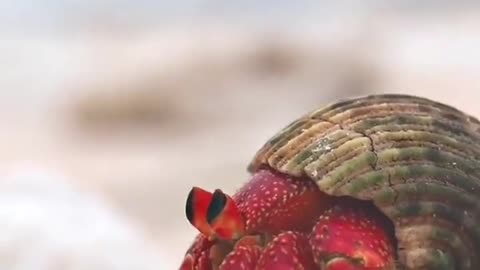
pixel 348 237
pixel 287 251
pixel 197 255
pixel 244 256
pixel 272 202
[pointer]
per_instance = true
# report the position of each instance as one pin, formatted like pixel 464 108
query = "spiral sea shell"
pixel 417 160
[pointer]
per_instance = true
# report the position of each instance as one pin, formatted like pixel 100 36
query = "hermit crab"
pixel 377 182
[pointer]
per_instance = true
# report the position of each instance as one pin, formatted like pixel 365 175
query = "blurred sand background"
pixel 111 111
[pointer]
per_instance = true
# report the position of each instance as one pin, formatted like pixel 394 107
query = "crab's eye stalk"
pixel 198 201
pixel 224 217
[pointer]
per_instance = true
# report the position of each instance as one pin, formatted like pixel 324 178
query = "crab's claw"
pixel 196 208
pixel 348 237
pixel 224 217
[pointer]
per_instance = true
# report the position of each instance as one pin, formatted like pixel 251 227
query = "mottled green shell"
pixel 416 159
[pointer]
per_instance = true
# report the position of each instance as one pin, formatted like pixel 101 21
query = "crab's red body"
pixel 281 222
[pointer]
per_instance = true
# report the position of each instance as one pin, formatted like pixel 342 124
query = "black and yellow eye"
pixel 217 205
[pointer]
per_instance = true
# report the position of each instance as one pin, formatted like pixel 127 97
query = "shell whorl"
pixel 416 159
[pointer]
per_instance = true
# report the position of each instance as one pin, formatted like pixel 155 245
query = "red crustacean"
pixel 268 224
pixel 357 185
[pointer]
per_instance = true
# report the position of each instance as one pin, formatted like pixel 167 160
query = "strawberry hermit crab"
pixel 380 182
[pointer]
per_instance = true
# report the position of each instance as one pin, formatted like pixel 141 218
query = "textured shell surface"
pixel 416 159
